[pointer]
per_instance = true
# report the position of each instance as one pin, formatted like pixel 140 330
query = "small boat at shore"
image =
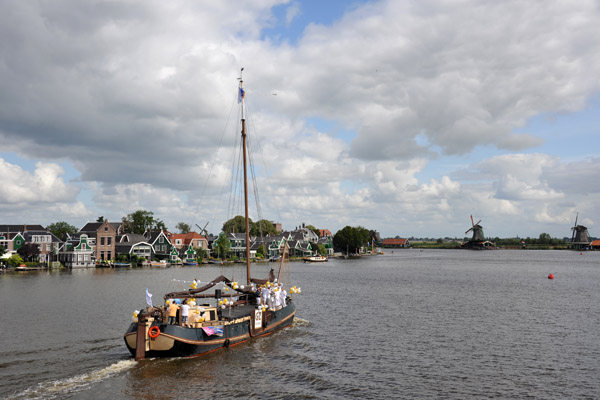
pixel 159 264
pixel 315 259
pixel 121 265
pixel 221 313
pixel 190 263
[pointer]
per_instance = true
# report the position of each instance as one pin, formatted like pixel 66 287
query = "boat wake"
pixel 300 322
pixel 60 388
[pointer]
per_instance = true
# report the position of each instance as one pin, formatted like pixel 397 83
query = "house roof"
pixel 595 243
pixel 325 232
pixel 21 228
pixel 27 235
pixel 187 237
pixel 153 235
pixel 132 238
pixel 396 242
pixel 94 226
pixel 127 246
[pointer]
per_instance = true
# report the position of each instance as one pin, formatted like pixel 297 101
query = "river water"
pixel 407 324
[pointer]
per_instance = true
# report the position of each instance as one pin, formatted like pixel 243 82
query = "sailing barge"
pixel 210 327
pixel 230 319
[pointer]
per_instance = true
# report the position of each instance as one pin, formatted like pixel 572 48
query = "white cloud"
pixel 292 12
pixel 136 98
pixel 44 185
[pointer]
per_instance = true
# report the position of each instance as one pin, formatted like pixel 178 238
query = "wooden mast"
pixel 241 98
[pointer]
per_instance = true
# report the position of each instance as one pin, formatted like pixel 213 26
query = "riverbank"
pixel 456 245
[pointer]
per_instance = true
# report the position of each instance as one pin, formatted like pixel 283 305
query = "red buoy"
pixel 551 276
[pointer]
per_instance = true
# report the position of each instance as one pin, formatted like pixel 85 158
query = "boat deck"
pixel 238 312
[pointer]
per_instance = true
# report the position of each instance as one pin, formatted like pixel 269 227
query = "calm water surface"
pixel 408 324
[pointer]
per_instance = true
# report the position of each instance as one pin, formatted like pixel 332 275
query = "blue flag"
pixel 148 298
pixel 241 95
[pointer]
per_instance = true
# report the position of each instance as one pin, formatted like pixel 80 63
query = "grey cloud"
pixel 580 177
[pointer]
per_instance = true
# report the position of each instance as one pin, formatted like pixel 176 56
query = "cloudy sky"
pixel 402 116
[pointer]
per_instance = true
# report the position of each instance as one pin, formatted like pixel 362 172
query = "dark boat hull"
pixel 178 341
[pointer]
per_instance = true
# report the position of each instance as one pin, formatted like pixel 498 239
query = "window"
pixel 102 241
pixel 102 255
pixel 109 255
pixel 161 239
pixel 106 229
pixel 109 241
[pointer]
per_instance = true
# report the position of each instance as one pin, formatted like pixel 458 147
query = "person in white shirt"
pixel 265 296
pixel 282 296
pixel 185 311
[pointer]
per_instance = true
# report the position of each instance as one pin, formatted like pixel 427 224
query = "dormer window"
pixel 106 229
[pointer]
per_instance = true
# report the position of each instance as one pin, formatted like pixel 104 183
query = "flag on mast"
pixel 148 298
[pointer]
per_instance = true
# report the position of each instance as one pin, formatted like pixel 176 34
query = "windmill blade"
pixel 574 228
pixel 477 223
pixel 469 230
pixel 202 229
pixel 472 221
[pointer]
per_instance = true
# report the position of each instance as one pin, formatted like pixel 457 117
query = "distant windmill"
pixel 478 241
pixel 477 231
pixel 203 230
pixel 579 239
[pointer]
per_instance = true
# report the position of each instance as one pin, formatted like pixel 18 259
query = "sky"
pixel 406 117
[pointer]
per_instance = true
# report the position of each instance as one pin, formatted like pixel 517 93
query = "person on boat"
pixel 265 295
pixel 282 295
pixel 271 299
pixel 258 295
pixel 173 308
pixel 185 310
pixel 276 298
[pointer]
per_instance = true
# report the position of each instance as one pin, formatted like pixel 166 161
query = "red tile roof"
pixel 187 238
pixel 325 233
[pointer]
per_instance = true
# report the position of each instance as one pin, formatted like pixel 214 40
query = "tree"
pixel 350 239
pixel 183 227
pixel 315 230
pixel 141 221
pixel 160 225
pixel 320 249
pixel 237 224
pixel 61 229
pixel 2 251
pixel 14 260
pixel 200 254
pixel 222 245
pixel 29 252
pixel 545 238
pixel 263 228
pixel 262 250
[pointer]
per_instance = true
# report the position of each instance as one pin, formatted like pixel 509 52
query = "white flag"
pixel 148 298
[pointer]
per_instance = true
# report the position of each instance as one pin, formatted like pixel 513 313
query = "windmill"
pixel 477 231
pixel 203 230
pixel 478 241
pixel 579 239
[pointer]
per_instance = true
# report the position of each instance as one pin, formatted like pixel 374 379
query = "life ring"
pixel 153 332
